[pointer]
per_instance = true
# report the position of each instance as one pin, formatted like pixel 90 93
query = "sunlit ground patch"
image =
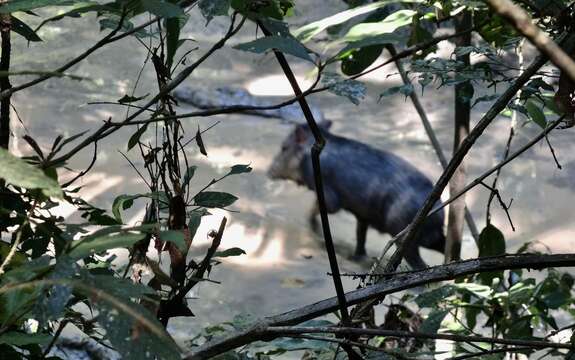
pixel 275 85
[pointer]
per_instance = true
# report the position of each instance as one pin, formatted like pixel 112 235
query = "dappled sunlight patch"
pixel 275 85
pixel 557 241
pixel 98 116
pixel 261 248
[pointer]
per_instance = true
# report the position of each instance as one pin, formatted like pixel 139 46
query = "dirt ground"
pixel 285 266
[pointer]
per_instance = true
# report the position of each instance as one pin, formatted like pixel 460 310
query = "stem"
pixel 5 28
pixel 461 131
pixel 315 156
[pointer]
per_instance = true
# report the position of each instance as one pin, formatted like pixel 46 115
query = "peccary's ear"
pixel 325 124
pixel 301 134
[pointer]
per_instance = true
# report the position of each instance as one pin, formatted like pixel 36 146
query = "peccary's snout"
pixel 272 172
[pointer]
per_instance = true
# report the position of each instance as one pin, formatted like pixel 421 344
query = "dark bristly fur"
pixel 381 189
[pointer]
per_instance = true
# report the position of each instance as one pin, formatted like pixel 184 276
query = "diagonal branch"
pixel 389 285
pixel 458 157
pixel 523 23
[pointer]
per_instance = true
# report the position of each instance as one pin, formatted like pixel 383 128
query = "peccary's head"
pixel 287 163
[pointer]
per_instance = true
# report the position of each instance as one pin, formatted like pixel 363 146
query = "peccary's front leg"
pixel 332 204
pixel 312 218
pixel 361 233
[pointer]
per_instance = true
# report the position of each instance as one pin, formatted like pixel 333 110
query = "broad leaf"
pixel 19 173
pixel 230 252
pixel 286 45
pixel 433 321
pixel 491 243
pixel 26 5
pixel 240 169
pixel 21 339
pixel 212 8
pixel 176 237
pixel 536 114
pixel 84 248
pixel 213 199
pixel 357 60
pixel 163 9
pixel 353 90
pixel 135 138
pixel 305 33
pixel 388 25
pixel 19 27
pixel 188 175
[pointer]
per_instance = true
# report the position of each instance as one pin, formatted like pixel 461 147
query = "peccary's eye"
pixel 284 148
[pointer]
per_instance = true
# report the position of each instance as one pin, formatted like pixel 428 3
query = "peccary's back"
pixel 377 186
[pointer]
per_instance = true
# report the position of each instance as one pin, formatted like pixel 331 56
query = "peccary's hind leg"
pixel 411 255
pixel 361 233
pixel 312 218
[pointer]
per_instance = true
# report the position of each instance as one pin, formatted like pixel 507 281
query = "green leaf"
pixel 275 9
pixel 133 331
pixel 120 287
pixel 240 169
pixel 388 25
pixel 212 8
pixel 485 98
pixel 77 10
pixel 26 5
pixel 188 175
pixel 235 251
pixel 172 40
pixel 200 142
pixel 536 114
pixel 176 237
pixel 522 292
pixel 126 99
pixel 195 221
pixel 19 173
pixel 432 298
pixel 213 199
pixel 385 39
pixel 433 321
pixel 307 32
pixel 124 202
pixel 286 45
pixel 355 61
pixel 19 27
pixel 21 339
pixel 406 90
pixel 353 90
pixel 135 138
pixel 491 243
pixel 163 9
pixel 84 248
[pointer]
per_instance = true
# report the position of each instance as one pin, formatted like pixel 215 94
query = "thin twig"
pixel 538 344
pixel 523 23
pixel 505 207
pixel 108 128
pixel 431 135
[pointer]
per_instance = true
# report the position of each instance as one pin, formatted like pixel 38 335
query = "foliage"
pixel 55 273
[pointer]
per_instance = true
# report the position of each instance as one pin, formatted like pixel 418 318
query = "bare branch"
pixel 390 284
